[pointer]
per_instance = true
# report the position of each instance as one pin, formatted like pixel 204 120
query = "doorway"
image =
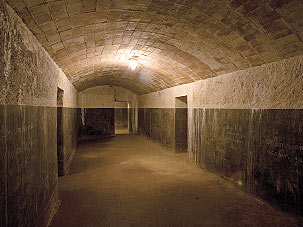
pixel 122 118
pixel 181 124
pixel 60 152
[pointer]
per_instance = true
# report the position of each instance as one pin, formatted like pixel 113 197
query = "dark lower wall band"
pixel 68 129
pixel 259 150
pixel 29 165
pixel 157 124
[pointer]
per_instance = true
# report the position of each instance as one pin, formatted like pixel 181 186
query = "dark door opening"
pixel 181 121
pixel 122 118
pixel 60 153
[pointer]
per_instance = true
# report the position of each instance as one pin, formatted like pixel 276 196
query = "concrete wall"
pixel 246 126
pixel 28 125
pixel 71 122
pixel 157 124
pixel 105 97
pixel 98 104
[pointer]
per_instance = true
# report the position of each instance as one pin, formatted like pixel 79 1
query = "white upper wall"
pixel 28 75
pixel 105 97
pixel 277 85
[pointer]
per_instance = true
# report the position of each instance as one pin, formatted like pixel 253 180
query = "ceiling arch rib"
pixel 184 39
pixel 173 63
pixel 157 58
pixel 148 78
pixel 116 79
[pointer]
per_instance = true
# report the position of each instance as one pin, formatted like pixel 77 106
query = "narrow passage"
pixel 131 181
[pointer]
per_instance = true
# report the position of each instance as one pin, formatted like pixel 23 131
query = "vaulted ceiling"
pixel 174 41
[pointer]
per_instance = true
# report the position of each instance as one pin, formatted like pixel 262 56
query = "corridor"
pixel 219 81
pixel 128 180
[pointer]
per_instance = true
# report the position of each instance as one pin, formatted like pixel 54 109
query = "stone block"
pixel 58 10
pixel 284 40
pixel 32 3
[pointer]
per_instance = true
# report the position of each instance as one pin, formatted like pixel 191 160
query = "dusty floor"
pixel 121 131
pixel 130 181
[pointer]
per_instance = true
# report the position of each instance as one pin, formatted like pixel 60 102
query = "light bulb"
pixel 133 64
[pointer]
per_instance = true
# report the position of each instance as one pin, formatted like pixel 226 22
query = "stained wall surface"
pixel 29 79
pixel 157 124
pixel 99 103
pixel 245 126
pixel 71 123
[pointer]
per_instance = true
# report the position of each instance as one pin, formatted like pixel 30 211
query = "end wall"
pixel 98 108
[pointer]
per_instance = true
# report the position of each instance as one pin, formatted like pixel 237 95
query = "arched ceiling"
pixel 175 41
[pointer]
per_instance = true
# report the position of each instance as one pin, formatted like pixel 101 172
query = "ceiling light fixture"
pixel 133 62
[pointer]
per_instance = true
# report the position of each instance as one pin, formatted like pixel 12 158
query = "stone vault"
pixel 174 41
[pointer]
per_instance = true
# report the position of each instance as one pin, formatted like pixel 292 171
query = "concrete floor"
pixel 121 131
pixel 131 181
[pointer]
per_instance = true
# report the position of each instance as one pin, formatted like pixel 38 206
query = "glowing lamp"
pixel 133 64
